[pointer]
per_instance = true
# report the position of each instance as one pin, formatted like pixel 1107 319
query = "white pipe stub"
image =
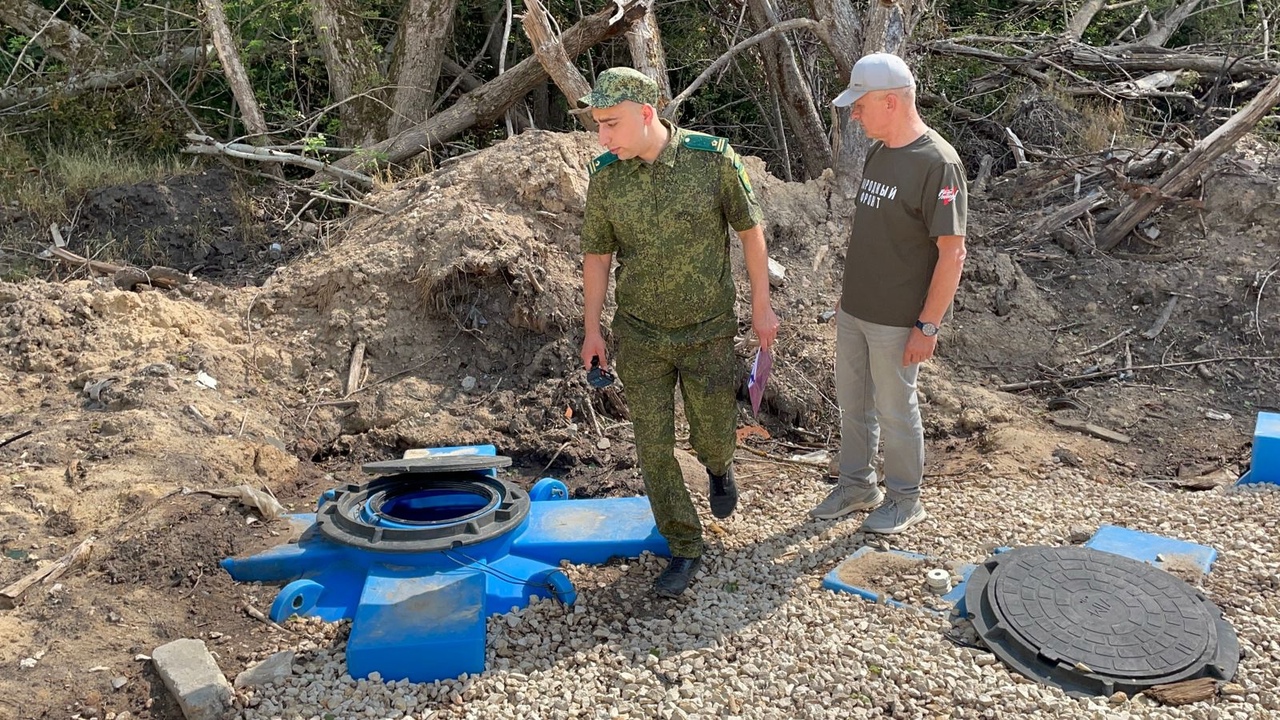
pixel 939 580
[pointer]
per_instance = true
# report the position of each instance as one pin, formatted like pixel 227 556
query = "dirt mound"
pixel 460 297
pixel 464 292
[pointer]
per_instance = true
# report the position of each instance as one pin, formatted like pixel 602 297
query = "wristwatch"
pixel 928 329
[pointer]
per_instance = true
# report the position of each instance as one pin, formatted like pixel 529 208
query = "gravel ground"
pixel 758 638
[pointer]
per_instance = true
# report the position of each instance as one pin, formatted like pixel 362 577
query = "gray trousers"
pixel 877 394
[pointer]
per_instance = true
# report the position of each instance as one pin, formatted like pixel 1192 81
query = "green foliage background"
pixel 286 70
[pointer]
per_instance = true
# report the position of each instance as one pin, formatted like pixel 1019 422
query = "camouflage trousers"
pixel 650 363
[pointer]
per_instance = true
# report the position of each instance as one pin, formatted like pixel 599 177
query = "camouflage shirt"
pixel 668 224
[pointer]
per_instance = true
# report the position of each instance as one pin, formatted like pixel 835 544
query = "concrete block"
pixel 274 670
pixel 194 680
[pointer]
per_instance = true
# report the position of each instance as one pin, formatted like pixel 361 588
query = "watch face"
pixel 928 329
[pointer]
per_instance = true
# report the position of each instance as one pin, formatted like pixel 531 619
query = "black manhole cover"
pixel 1095 623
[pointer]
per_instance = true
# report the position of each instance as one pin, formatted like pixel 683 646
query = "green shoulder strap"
pixel 711 143
pixel 601 162
pixel 708 143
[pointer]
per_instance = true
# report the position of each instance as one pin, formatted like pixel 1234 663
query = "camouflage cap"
pixel 618 84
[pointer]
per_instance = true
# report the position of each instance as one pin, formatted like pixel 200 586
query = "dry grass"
pixel 44 183
pixel 42 187
pixel 1103 123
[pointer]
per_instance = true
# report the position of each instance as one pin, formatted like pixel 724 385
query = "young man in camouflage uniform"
pixel 662 201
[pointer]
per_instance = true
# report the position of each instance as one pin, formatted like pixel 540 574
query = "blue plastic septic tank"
pixel 418 557
pixel 1265 467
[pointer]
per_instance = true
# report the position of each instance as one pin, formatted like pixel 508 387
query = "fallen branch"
pixel 9 596
pixel 200 419
pixel 128 278
pixel 1125 61
pixel 1182 176
pixel 205 145
pixel 1015 146
pixel 15 97
pixel 71 258
pixel 1037 384
pixel 257 614
pixel 1105 343
pixel 784 461
pixel 1257 304
pixel 1062 216
pixel 1091 429
pixel 125 276
pixel 346 201
pixel 16 438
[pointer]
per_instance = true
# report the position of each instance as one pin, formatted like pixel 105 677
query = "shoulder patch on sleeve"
pixel 742 176
pixel 707 143
pixel 601 162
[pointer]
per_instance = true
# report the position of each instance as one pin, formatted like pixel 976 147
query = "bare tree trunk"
pixel 846 31
pixel 1169 24
pixel 540 105
pixel 229 55
pixel 1079 22
pixel 848 144
pixel 426 26
pixel 354 77
pixel 489 102
pixel 551 55
pixel 646 52
pixel 783 73
pixel 59 39
pixel 885 28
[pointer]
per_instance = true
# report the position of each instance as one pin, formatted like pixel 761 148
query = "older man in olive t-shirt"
pixel 901 272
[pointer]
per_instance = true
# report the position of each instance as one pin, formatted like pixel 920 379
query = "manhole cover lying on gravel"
pixel 1094 623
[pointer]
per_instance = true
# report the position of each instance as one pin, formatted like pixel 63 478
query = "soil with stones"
pixel 462 297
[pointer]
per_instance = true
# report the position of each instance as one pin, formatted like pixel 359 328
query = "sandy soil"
pixel 463 294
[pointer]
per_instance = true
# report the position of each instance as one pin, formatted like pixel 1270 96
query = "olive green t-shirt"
pixel 668 224
pixel 909 197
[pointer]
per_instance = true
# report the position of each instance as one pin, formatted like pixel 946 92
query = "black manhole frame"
pixel 339 518
pixel 1219 660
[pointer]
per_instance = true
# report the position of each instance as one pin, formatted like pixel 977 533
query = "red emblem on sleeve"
pixel 948 194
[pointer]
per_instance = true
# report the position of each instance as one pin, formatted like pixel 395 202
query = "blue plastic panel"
pixel 419 628
pixel 955 596
pixel 590 531
pixel 1265 467
pixel 1144 547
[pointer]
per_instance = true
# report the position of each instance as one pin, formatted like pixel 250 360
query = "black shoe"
pixel 676 578
pixel 724 493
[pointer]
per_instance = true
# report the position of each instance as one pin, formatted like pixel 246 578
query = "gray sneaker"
pixel 895 515
pixel 846 499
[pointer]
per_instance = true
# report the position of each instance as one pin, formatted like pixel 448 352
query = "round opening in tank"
pixel 453 503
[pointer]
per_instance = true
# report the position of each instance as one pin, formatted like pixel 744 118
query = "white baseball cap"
pixel 877 71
